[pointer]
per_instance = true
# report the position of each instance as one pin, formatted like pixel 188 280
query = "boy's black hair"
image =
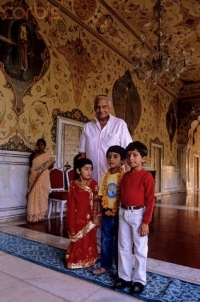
pixel 140 147
pixel 117 149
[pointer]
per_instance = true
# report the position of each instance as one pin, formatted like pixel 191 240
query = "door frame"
pixel 60 121
pixel 196 172
pixel 158 178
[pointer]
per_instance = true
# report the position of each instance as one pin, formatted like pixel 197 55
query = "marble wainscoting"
pixel 169 181
pixel 13 184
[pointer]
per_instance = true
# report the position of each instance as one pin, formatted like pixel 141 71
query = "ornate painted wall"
pixel 65 67
pixel 188 113
pixel 53 63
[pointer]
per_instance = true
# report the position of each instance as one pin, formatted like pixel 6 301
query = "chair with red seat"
pixel 57 194
pixel 69 176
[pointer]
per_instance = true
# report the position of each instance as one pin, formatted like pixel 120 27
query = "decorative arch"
pixel 192 131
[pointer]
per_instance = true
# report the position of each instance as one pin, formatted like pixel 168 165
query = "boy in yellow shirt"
pixel 109 193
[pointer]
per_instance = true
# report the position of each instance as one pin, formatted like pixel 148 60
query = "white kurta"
pixel 95 142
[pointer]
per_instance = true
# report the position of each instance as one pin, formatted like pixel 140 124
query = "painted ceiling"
pixel 180 21
pixel 126 25
pixel 129 28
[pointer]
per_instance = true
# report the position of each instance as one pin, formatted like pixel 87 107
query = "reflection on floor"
pixel 174 249
pixel 174 231
pixel 52 226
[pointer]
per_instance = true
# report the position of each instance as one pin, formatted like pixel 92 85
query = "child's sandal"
pixel 100 271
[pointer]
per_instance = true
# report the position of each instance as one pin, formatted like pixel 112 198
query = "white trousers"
pixel 129 223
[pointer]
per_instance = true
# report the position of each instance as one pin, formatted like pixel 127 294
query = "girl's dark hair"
pixel 140 147
pixel 41 140
pixel 76 157
pixel 80 163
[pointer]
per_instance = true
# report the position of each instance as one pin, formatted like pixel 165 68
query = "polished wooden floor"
pixel 174 231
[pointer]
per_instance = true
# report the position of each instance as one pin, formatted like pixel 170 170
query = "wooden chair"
pixel 58 194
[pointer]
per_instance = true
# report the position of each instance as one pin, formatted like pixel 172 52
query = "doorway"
pixel 196 172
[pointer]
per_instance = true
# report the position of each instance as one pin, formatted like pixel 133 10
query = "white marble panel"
pixel 169 179
pixel 13 183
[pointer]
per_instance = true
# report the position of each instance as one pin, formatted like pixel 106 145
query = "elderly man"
pixel 98 135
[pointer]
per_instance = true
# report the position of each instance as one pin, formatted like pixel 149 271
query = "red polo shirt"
pixel 137 189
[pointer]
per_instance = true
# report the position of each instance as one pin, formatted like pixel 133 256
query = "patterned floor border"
pixel 158 289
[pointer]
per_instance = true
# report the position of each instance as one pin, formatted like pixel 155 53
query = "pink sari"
pixel 39 187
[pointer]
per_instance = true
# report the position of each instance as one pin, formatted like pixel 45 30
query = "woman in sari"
pixel 40 162
pixel 82 218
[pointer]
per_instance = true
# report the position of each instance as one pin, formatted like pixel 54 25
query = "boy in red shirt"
pixel 135 213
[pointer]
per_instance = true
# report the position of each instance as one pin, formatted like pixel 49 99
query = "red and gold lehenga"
pixel 38 190
pixel 82 251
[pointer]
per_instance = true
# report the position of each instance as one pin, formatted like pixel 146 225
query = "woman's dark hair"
pixel 31 157
pixel 41 140
pixel 140 147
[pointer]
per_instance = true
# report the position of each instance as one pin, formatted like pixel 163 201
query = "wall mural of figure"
pixel 21 48
pixel 126 101
pixel 18 65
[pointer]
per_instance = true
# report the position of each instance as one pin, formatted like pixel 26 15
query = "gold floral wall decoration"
pixel 15 143
pixel 80 65
pixel 105 25
pixel 8 118
pixel 8 85
pixel 189 21
pixel 84 9
pixel 158 107
pixel 38 114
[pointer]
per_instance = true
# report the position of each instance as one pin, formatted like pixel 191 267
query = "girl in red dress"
pixel 82 218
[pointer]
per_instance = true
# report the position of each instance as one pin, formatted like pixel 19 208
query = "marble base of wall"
pixel 170 182
pixel 13 184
